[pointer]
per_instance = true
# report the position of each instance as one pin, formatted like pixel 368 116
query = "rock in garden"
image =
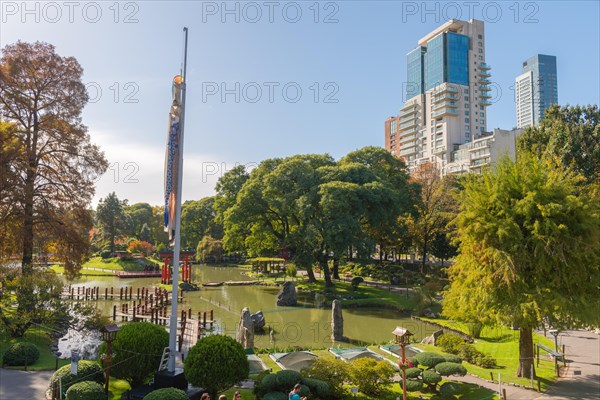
pixel 427 313
pixel 188 287
pixel 258 318
pixel 337 322
pixel 287 295
pixel 245 330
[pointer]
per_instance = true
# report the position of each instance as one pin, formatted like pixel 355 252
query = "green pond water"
pixel 307 325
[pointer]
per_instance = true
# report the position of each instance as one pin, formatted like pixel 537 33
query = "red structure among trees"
pixel 186 267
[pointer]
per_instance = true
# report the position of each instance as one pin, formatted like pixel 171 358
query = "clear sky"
pixel 348 59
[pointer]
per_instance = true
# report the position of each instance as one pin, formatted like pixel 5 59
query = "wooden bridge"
pixel 153 295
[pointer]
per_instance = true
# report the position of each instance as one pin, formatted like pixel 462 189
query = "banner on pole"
pixel 172 159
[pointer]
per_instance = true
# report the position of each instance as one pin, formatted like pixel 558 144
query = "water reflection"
pixel 307 325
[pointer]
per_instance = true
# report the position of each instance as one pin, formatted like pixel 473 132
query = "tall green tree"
pixel 529 248
pixel 10 221
pixel 138 215
pixel 199 219
pixel 111 218
pixel 42 94
pixel 570 133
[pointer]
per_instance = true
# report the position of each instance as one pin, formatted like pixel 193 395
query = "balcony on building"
pixel 407 152
pixel 484 101
pixel 445 111
pixel 450 104
pixel 485 66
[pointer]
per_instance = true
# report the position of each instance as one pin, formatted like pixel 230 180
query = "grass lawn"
pixel 37 336
pixel 97 266
pixel 502 343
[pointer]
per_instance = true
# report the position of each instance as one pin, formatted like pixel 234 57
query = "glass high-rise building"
pixel 447 93
pixel 535 89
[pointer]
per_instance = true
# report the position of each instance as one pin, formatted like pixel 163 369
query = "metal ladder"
pixel 164 361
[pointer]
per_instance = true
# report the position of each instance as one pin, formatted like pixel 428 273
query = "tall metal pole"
pixel 177 244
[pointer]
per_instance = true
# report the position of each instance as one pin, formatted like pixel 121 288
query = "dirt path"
pixel 24 385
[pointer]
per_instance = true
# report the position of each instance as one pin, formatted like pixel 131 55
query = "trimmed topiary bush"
pixel 287 378
pixel 275 396
pixel 370 376
pixel 86 390
pixel 452 358
pixel 413 373
pixel 449 342
pixel 451 389
pixel 23 353
pixel 216 362
pixel 431 378
pixel 136 352
pixel 414 361
pixel 450 368
pixel 166 394
pixel 413 385
pixel 267 384
pixel 429 359
pixel 485 361
pixel 86 370
pixel 318 388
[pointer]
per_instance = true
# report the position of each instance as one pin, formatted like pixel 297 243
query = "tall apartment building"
pixel 484 151
pixel 535 89
pixel 447 93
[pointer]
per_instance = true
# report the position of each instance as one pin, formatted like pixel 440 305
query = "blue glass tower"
pixel 545 87
pixel 415 72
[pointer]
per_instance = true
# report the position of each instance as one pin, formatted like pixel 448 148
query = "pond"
pixel 307 325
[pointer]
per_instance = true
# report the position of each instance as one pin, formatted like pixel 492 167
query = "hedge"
pixel 413 386
pixel 275 396
pixel 450 389
pixel 86 390
pixel 86 371
pixel 23 353
pixel 429 359
pixel 450 368
pixel 166 394
pixel 413 373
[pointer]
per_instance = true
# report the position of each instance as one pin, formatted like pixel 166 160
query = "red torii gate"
pixel 186 268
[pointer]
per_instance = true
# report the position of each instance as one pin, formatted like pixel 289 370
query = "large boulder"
pixel 433 338
pixel 337 322
pixel 258 318
pixel 287 295
pixel 245 330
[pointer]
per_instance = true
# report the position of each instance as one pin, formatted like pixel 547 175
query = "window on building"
pixel 480 51
pixel 479 37
pixel 466 119
pixel 481 58
pixel 466 98
pixel 481 107
pixel 466 105
pixel 466 91
pixel 476 120
pixel 467 128
pixel 483 114
pixel 466 113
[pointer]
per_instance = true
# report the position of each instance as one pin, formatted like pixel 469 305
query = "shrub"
pixel 429 359
pixel 450 389
pixel 450 368
pixel 136 352
pixel 413 385
pixel 357 280
pixel 105 254
pixel 468 352
pixel 486 361
pixel 475 329
pixel 414 361
pixel 291 270
pixel 413 373
pixel 85 390
pixel 287 378
pixel 267 384
pixel 275 396
pixel 331 370
pixel 449 343
pixel 370 376
pixel 23 353
pixel 319 388
pixel 216 362
pixel 166 394
pixel 86 371
pixel 452 358
pixel 431 378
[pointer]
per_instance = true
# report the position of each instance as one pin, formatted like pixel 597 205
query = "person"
pixel 222 397
pixel 295 393
pixel 205 396
pixel 237 396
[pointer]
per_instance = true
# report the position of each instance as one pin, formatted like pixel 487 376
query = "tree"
pixel 42 94
pixel 209 250
pixel 216 363
pixel 136 352
pixel 198 219
pixel 529 248
pixel 138 215
pixel 111 218
pixel 10 221
pixel 442 247
pixel 572 134
pixel 434 208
